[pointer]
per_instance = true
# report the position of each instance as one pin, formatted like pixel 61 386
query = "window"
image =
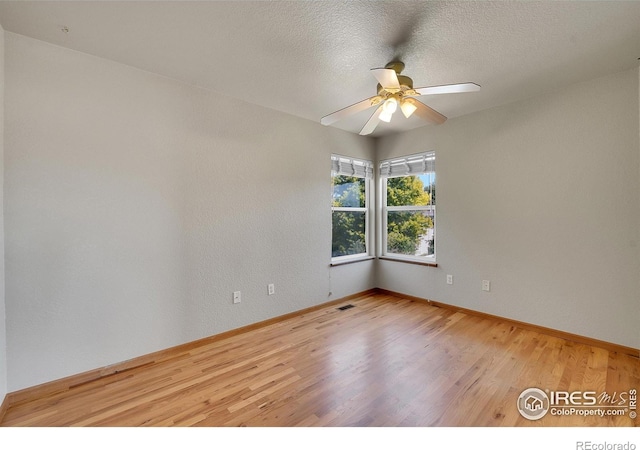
pixel 350 207
pixel 409 207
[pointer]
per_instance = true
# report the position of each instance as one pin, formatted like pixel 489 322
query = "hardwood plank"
pixel 389 361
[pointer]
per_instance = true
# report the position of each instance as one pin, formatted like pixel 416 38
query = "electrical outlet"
pixel 486 285
pixel 271 289
pixel 449 279
pixel 236 297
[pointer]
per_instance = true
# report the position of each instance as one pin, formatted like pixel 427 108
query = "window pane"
pixel 349 191
pixel 348 233
pixel 409 191
pixel 410 233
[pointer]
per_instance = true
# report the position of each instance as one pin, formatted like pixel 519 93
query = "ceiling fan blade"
pixel 372 123
pixel 349 110
pixel 387 78
pixel 448 89
pixel 428 114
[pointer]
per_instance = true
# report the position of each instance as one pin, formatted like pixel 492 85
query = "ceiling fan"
pixel 397 90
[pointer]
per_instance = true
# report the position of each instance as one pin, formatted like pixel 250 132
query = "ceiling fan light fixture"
pixel 385 116
pixel 389 106
pixel 408 107
pixel 397 90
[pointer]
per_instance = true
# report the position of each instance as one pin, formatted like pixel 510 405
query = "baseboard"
pixel 612 347
pixel 4 405
pixel 63 384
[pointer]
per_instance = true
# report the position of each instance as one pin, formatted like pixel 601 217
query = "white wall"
pixel 352 278
pixel 135 205
pixel 3 335
pixel 541 197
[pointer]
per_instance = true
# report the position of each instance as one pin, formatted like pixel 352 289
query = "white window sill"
pixel 342 260
pixel 420 262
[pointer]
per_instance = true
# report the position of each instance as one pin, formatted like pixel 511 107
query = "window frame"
pixel 369 226
pixel 384 209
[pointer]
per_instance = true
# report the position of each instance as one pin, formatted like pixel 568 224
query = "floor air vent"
pixel 342 308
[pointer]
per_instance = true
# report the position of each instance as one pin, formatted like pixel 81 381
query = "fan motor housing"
pixel 406 83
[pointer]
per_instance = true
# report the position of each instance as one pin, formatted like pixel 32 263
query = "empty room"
pixel 224 213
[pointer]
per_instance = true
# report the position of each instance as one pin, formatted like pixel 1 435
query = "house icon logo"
pixel 533 404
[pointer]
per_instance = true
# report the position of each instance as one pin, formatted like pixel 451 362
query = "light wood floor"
pixel 386 362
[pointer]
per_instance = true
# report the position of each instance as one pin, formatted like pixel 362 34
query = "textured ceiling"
pixel 310 58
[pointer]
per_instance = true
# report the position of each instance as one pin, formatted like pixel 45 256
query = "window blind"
pixel 409 165
pixel 342 165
